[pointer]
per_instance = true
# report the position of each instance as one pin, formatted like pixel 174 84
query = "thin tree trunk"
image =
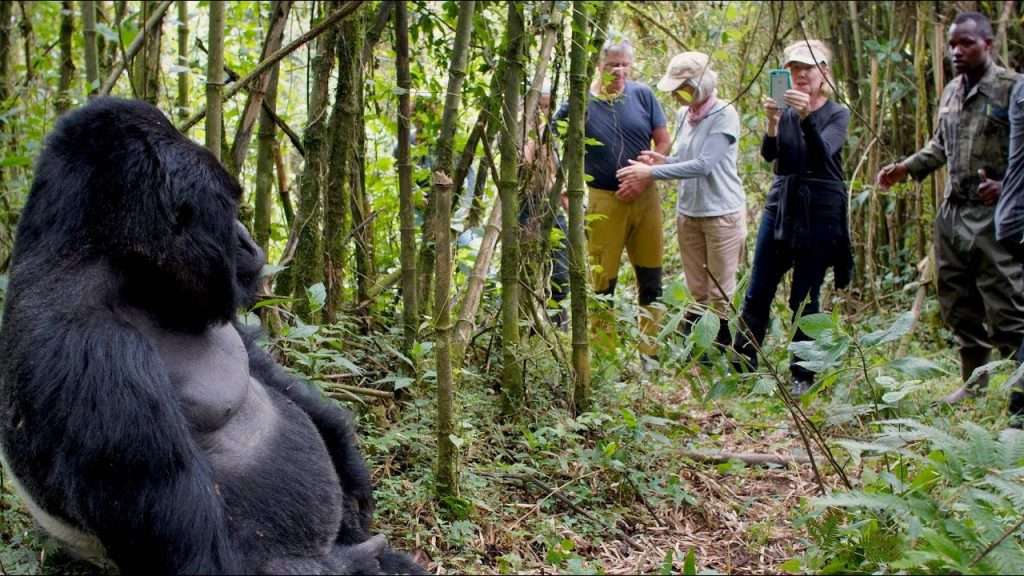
pixel 921 126
pixel 508 189
pixel 579 75
pixel 283 192
pixel 362 215
pixel 145 75
pixel 535 178
pixel 447 483
pixel 254 102
pixel 407 225
pixel 552 26
pixel 380 22
pixel 67 65
pixel 215 79
pixel 265 142
pixel 8 217
pixel 113 49
pixel 341 172
pixel 92 62
pixel 939 78
pixel 871 214
pixel 475 285
pixel 182 107
pixel 488 119
pixel 151 64
pixel 136 45
pixel 308 265
pixel 325 25
pixel 1002 41
pixel 27 38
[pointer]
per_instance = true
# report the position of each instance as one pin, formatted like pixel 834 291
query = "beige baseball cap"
pixel 811 53
pixel 682 68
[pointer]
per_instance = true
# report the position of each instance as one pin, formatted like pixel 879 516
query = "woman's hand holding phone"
pixel 798 101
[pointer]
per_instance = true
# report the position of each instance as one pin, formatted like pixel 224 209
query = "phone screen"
pixel 779 81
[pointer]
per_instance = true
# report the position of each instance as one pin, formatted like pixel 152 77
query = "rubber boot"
pixel 650 325
pixel 970 359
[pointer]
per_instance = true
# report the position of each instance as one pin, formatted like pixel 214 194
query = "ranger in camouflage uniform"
pixel 980 283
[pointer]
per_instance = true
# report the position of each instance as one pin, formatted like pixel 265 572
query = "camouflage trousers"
pixel 980 281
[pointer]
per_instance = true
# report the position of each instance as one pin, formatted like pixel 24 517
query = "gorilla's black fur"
pixel 141 423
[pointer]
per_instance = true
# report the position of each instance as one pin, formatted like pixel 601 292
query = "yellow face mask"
pixel 683 97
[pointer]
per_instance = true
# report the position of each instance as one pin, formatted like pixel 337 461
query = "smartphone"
pixel 779 80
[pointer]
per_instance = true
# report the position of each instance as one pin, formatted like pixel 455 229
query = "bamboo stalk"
pixel 256 95
pixel 578 81
pixel 155 18
pixel 508 190
pixel 215 80
pixel 92 59
pixel 475 285
pixel 183 59
pixel 328 22
pixel 446 479
pixel 407 225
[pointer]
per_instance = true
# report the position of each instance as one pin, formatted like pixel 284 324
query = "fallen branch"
pixel 357 390
pixel 751 458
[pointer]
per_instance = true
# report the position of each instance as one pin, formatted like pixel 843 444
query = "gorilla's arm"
pixel 106 447
pixel 335 426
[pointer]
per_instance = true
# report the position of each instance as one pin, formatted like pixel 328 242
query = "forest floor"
pixel 616 490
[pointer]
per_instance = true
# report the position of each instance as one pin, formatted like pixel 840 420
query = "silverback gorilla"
pixel 142 423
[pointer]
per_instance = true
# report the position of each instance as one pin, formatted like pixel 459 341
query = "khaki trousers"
pixel 636 227
pixel 716 242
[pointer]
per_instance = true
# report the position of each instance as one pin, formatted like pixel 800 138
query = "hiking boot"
pixel 959 395
pixel 970 360
pixel 799 387
pixel 1016 409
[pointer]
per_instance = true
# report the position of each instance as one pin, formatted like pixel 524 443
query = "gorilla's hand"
pixel 362 558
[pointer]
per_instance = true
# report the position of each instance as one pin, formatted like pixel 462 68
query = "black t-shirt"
pixel 624 126
pixel 810 147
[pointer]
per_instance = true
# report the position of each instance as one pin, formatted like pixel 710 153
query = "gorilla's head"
pixel 118 184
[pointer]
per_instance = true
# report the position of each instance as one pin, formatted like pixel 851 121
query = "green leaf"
pixel 791 566
pixel 629 418
pixel 347 365
pixel 666 564
pixel 814 325
pixel 301 331
pixel 901 326
pixel 917 367
pixel 316 295
pixel 706 330
pixel 690 564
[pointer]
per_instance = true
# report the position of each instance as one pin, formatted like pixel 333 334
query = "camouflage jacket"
pixel 973 133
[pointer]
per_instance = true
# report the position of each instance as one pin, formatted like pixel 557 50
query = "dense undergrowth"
pixel 618 489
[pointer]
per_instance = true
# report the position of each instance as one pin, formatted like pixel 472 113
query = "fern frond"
pixel 1012 441
pixel 913 430
pixel 1013 491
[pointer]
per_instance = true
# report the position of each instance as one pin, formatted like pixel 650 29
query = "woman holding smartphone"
pixel 803 224
pixel 711 208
